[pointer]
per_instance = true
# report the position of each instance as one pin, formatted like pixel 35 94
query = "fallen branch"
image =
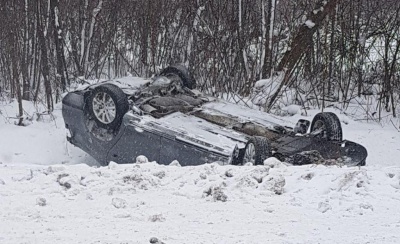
pixel 391 121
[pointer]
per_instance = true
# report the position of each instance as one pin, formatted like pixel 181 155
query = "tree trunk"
pixel 25 70
pixel 95 13
pixel 44 61
pixel 57 32
pixel 267 64
pixel 192 39
pixel 241 43
pixel 83 48
pixel 300 42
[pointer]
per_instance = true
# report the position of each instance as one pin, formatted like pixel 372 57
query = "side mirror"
pixel 301 126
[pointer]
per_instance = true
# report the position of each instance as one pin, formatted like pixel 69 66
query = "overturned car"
pixel 165 119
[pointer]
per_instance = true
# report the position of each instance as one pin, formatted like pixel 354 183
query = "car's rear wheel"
pixel 327 125
pixel 106 105
pixel 256 151
pixel 182 72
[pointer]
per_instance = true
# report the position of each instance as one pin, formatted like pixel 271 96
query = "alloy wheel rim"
pixel 250 153
pixel 104 108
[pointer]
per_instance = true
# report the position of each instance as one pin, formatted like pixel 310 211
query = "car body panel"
pixel 244 114
pixel 164 140
pixel 351 152
pixel 215 131
pixel 158 140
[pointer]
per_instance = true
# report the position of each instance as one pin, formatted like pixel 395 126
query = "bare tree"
pixel 326 48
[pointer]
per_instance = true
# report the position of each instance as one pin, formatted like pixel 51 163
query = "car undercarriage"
pixel 165 119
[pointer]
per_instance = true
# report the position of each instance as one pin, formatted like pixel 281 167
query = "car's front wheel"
pixel 106 105
pixel 327 125
pixel 256 151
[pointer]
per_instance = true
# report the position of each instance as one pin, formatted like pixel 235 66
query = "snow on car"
pixel 165 119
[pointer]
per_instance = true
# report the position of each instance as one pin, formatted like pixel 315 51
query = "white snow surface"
pixel 52 192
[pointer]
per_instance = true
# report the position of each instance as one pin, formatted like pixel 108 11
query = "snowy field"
pixel 52 192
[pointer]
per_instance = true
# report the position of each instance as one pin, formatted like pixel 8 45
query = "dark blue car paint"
pixel 132 140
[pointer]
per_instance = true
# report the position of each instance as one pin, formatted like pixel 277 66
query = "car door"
pixel 189 151
pixel 187 154
pixel 136 140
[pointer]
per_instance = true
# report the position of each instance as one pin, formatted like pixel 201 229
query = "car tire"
pixel 182 72
pixel 256 151
pixel 106 105
pixel 330 124
pixel 362 163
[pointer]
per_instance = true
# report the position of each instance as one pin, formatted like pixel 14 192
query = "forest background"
pixel 323 51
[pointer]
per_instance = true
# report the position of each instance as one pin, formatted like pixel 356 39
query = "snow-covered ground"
pixel 52 192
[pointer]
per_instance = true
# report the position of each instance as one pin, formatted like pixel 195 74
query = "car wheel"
pixel 362 163
pixel 328 124
pixel 182 72
pixel 256 151
pixel 107 104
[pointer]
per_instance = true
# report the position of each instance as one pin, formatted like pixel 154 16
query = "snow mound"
pixel 183 203
pixel 292 109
